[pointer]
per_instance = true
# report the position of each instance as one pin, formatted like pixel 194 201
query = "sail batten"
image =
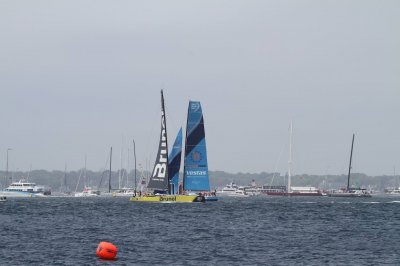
pixel 159 178
pixel 195 167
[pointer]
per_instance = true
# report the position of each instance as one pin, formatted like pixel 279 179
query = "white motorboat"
pixel 240 192
pixel 351 192
pixel 24 189
pixel 3 199
pixel 88 192
pixel 229 189
pixel 393 191
pixel 253 189
pixel 124 192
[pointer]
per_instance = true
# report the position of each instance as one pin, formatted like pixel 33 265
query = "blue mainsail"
pixel 175 163
pixel 195 176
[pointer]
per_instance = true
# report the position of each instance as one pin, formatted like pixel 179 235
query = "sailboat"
pixel 87 190
pixel 349 191
pixel 293 191
pixel 64 189
pixel 195 174
pixel 108 192
pixel 160 180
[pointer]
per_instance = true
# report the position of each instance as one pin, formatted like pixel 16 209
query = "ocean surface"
pixel 233 231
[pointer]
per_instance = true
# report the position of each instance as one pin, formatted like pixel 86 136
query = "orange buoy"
pixel 106 251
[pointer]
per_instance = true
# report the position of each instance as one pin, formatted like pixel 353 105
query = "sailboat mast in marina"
pixel 351 157
pixel 290 159
pixel 292 190
pixel 109 174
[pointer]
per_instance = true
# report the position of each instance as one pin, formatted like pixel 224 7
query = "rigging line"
pixel 104 170
pixel 171 121
pixel 79 179
pixel 277 162
pixel 149 151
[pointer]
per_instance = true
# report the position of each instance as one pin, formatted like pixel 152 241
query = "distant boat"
pixel 24 189
pixel 64 189
pixel 159 187
pixel 3 199
pixel 291 191
pixel 393 191
pixel 240 192
pixel 228 190
pixel 350 192
pixel 87 190
pixel 253 189
pixel 233 190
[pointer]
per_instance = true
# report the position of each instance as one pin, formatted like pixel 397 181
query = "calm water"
pixel 252 231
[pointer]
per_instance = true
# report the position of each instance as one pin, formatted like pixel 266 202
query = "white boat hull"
pixel 238 196
pixel 20 194
pixel 84 195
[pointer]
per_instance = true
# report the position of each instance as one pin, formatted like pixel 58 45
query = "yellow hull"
pixel 169 198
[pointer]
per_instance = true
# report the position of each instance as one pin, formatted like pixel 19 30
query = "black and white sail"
pixel 159 179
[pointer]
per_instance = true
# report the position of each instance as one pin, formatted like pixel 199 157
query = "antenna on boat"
pixel 351 156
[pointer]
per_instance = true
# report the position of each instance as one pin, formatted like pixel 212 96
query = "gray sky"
pixel 77 76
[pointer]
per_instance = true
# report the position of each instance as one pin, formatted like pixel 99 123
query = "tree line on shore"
pixel 57 180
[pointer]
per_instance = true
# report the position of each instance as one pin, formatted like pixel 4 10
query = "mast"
pixel 166 139
pixel 134 155
pixel 84 175
pixel 30 170
pixel 109 175
pixel 290 158
pixel 159 179
pixel 186 137
pixel 65 179
pixel 127 169
pixel 6 184
pixel 351 156
pixel 120 167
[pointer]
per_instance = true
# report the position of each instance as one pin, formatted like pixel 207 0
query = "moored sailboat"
pixel 292 191
pixel 350 191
